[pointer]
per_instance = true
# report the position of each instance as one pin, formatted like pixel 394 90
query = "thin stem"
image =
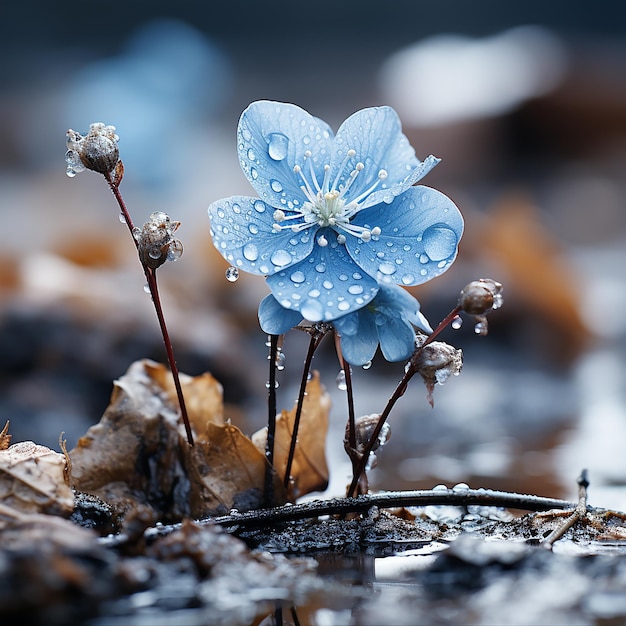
pixel 271 422
pixel 350 397
pixel 316 338
pixel 397 394
pixel 156 300
pixel 120 201
pixel 154 292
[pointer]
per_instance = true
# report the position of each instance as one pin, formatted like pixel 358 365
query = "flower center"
pixel 328 203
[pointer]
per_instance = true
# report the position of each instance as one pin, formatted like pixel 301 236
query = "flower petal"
pixel 275 319
pixel 242 232
pixel 358 336
pixel 375 134
pixel 272 138
pixel 390 191
pixel 326 285
pixel 393 297
pixel 397 338
pixel 420 231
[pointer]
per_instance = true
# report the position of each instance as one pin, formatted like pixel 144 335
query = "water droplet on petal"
pixel 232 274
pixel 259 206
pixel 253 228
pixel 343 305
pixel 277 148
pixel 276 186
pixel 251 252
pixel 280 257
pixel 387 268
pixel 298 277
pixel 341 380
pixel 367 365
pixel 439 242
pixel 355 290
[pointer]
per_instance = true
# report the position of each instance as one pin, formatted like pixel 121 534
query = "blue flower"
pixel 337 215
pixel 388 320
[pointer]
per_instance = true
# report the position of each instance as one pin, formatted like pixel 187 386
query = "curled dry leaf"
pixel 203 395
pixel 137 456
pixel 5 438
pixel 230 473
pixel 32 480
pixel 309 469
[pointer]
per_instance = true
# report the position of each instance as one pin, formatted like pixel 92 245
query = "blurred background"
pixel 524 102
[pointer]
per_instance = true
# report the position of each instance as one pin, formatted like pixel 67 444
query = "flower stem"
pixel 316 337
pixel 156 300
pixel 271 422
pixel 397 394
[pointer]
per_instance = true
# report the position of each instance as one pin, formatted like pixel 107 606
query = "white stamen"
pixel 328 205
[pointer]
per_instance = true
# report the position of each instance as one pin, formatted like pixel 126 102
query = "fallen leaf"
pixel 309 470
pixel 32 480
pixel 137 454
pixel 203 395
pixel 5 438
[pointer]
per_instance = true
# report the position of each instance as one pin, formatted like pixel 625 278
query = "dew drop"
pixel 267 384
pixel 327 284
pixel 259 206
pixel 320 267
pixel 253 228
pixel 481 328
pixel 155 253
pixel 314 293
pixel 254 173
pixel 232 274
pixel 408 279
pixel 276 186
pixel 355 290
pixel 70 171
pixel 175 250
pixel 341 380
pixel 251 252
pixel 367 365
pixel 457 322
pixel 122 218
pixel 439 242
pixel 387 268
pixel 146 288
pixel 277 148
pixel 298 277
pixel 251 154
pixel 343 306
pixel 280 361
pixel 280 257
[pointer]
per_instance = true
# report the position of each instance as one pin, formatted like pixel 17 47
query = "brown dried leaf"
pixel 5 438
pixel 132 457
pixel 32 480
pixel 309 469
pixel 203 396
pixel 137 455
pixel 229 473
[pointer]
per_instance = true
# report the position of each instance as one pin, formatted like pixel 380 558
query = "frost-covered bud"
pixel 436 362
pixel 481 296
pixel 155 242
pixel 96 151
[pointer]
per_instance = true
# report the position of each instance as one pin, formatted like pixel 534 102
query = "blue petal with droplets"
pixel 395 299
pixel 392 190
pixel 358 336
pixel 275 319
pixel 375 134
pixel 242 232
pixel 272 138
pixel 325 285
pixel 420 231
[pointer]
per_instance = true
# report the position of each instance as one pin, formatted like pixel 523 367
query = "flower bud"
pixel 481 296
pixel 95 151
pixel 436 362
pixel 155 242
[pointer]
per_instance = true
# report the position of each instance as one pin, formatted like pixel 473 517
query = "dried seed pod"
pixel 95 151
pixel 155 242
pixel 481 296
pixel 436 362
